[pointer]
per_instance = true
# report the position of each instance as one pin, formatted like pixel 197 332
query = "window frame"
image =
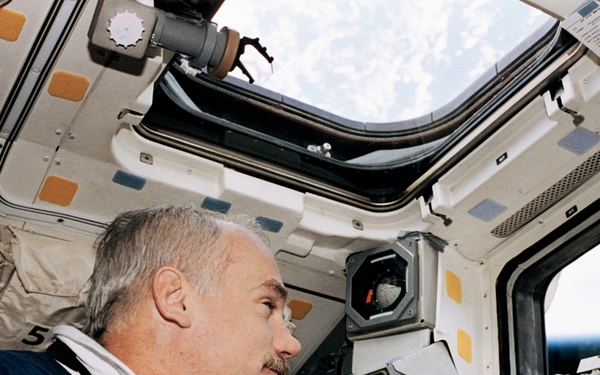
pixel 521 290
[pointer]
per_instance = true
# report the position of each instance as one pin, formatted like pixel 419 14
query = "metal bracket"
pixel 436 242
pixel 577 118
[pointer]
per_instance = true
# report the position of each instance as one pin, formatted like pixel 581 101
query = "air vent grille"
pixel 549 197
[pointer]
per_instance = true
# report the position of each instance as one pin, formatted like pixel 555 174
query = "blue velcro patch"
pixel 129 180
pixel 269 224
pixel 216 205
pixel 487 210
pixel 587 9
pixel 579 141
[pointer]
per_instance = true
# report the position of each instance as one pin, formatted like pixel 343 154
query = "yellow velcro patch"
pixel 465 347
pixel 11 24
pixel 453 286
pixel 68 86
pixel 58 190
pixel 299 308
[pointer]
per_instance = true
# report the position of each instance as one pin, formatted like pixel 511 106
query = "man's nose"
pixel 285 344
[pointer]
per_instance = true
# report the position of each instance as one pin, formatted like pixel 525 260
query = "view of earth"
pixel 380 60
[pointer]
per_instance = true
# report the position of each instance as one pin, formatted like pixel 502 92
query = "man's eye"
pixel 270 305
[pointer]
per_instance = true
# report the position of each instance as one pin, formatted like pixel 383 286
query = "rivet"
pixel 357 224
pixel 146 158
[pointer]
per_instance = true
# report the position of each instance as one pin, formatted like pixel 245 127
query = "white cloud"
pixel 380 60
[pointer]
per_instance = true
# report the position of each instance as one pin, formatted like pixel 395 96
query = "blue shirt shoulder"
pixel 17 362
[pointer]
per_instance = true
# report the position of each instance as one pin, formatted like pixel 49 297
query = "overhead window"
pixel 380 60
pixel 330 118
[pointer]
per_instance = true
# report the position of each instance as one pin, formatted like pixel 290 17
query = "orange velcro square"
pixel 58 190
pixel 465 346
pixel 299 308
pixel 68 86
pixel 11 24
pixel 453 286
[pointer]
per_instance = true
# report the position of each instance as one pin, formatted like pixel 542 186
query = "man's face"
pixel 241 330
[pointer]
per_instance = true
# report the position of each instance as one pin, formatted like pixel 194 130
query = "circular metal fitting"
pixel 126 29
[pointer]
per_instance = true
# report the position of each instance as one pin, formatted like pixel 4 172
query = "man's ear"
pixel 170 290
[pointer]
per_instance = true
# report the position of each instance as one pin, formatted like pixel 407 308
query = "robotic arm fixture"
pixel 130 28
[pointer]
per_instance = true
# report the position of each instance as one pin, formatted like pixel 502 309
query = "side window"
pixel 572 319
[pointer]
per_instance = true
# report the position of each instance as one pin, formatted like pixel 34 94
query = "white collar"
pixel 91 354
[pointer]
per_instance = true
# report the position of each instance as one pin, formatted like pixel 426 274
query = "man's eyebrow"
pixel 276 287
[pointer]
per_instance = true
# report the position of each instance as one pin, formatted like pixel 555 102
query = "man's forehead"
pixel 252 263
pixel 242 237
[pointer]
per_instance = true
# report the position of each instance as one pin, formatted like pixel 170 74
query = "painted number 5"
pixel 38 338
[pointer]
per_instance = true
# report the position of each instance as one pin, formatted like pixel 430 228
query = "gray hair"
pixel 139 242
